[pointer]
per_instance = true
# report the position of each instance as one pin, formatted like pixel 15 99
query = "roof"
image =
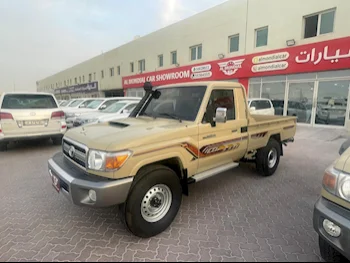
pixel 26 93
pixel 202 83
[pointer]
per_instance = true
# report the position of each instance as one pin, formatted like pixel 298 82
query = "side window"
pixel 220 99
pixel 264 104
pixel 254 104
pixel 108 103
pixel 130 107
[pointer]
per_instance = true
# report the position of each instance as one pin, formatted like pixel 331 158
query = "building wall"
pixel 211 29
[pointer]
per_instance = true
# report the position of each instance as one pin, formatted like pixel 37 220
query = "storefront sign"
pixel 82 88
pixel 321 56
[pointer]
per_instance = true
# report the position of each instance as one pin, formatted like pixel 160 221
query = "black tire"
pixel 328 253
pixel 57 140
pixel 3 147
pixel 263 155
pixel 144 181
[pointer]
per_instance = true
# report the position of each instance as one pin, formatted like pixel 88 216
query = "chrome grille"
pixel 79 155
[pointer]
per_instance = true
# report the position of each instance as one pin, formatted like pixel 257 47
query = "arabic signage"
pixel 321 56
pixel 81 88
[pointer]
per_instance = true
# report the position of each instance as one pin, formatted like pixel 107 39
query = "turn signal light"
pixel 115 162
pixel 5 116
pixel 57 114
pixel 329 181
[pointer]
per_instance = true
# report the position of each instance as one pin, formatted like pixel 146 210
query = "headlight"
pixel 337 183
pixel 344 187
pixel 103 161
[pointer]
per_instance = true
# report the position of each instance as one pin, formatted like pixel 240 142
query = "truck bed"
pixel 262 127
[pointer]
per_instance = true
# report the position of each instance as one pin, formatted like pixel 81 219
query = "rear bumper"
pixel 325 209
pixel 32 136
pixel 75 184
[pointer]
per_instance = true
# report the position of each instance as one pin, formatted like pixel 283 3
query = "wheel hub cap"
pixel 156 203
pixel 272 158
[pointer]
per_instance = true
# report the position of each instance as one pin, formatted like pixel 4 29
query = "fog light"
pixel 331 228
pixel 92 195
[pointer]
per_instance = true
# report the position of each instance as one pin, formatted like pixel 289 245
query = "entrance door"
pixel 300 101
pixel 332 98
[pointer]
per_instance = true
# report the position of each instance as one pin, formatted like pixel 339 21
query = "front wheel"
pixel 153 202
pixel 268 158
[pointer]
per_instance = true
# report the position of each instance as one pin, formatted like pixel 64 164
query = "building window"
pixel 65 83
pixel 319 24
pixel 111 71
pixel 233 43
pixel 160 61
pixel 90 77
pixel 76 80
pixel 173 57
pixel 102 74
pixel 118 70
pixel 261 36
pixel 142 65
pixel 84 79
pixel 94 75
pixel 196 52
pixel 80 79
pixel 132 67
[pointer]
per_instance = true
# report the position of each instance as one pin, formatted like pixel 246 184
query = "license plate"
pixel 33 123
pixel 56 182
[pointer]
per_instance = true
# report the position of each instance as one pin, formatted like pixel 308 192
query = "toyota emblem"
pixel 71 151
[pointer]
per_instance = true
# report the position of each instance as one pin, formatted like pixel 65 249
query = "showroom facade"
pixel 308 81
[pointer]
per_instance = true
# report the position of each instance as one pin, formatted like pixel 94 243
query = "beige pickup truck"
pixel 177 135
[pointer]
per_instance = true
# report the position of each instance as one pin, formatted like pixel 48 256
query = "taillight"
pixel 5 116
pixel 57 114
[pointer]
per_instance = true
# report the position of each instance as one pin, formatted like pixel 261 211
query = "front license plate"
pixel 56 182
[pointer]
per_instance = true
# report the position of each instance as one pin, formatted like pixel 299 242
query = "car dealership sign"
pixel 81 88
pixel 321 56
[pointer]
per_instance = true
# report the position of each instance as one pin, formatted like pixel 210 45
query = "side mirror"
pixel 103 107
pixel 252 108
pixel 221 115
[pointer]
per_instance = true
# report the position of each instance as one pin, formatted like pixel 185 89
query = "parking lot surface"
pixel 236 216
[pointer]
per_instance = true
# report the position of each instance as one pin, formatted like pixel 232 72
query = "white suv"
pixel 261 107
pixel 30 115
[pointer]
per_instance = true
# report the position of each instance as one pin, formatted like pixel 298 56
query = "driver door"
pixel 222 143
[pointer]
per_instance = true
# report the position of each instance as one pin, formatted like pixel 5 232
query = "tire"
pixel 264 164
pixel 328 253
pixel 151 183
pixel 57 140
pixel 3 147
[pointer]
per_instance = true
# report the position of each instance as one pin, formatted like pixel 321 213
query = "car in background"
pixel 331 218
pixel 95 105
pixel 261 106
pixel 28 116
pixel 117 110
pixel 76 104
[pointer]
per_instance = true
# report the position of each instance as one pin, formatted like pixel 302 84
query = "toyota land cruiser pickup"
pixel 176 135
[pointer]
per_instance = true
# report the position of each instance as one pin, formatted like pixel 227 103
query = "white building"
pixel 296 51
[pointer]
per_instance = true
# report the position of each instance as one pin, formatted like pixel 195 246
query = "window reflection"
pixel 275 92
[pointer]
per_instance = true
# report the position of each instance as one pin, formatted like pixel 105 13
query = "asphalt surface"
pixel 236 216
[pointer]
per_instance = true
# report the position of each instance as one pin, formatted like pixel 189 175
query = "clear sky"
pixel 42 37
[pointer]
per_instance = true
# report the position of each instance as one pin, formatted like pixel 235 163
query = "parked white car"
pixel 94 106
pixel 26 116
pixel 118 110
pixel 261 107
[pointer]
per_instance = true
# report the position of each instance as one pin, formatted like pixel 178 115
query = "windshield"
pixel 94 104
pixel 65 103
pixel 75 103
pixel 19 101
pixel 114 107
pixel 181 102
pixel 85 103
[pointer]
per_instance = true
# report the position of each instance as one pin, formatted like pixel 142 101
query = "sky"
pixel 42 37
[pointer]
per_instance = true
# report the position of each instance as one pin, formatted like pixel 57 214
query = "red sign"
pixel 321 56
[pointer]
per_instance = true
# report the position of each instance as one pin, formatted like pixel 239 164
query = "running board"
pixel 207 174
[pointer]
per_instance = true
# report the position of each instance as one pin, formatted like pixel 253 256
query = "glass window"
pixel 255 80
pixel 334 74
pixel 111 72
pixel 254 90
pixel 114 107
pixel 234 43
pixel 142 65
pixel 275 92
pixel 261 37
pixel 160 61
pixel 311 26
pixel 302 76
pixel 132 67
pixel 173 57
pixel 94 104
pixel 274 78
pixel 76 103
pixel 176 103
pixel 130 107
pixel 327 22
pixel 83 78
pixel 102 74
pixel 118 70
pixel 80 79
pixel 19 101
pixel 318 24
pixel 196 52
pixel 90 77
pixel 94 75
pixel 332 102
pixel 220 99
pixel 260 104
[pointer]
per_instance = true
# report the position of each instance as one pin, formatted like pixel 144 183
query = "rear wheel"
pixel 153 202
pixel 57 140
pixel 268 158
pixel 328 253
pixel 3 147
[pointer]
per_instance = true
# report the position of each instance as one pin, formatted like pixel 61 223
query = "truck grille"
pixel 79 155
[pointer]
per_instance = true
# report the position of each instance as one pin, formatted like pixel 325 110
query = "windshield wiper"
pixel 170 115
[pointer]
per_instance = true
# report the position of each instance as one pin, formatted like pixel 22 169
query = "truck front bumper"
pixel 340 216
pixel 77 185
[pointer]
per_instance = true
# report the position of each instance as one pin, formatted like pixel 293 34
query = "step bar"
pixel 207 174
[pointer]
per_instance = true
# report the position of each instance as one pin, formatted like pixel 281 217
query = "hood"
pixel 112 116
pixel 130 133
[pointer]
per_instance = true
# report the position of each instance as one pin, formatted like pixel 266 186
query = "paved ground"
pixel 234 217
